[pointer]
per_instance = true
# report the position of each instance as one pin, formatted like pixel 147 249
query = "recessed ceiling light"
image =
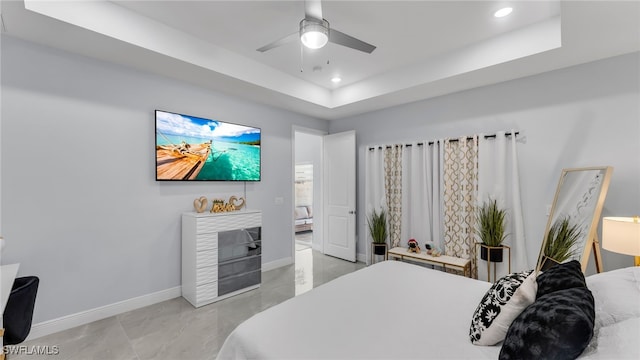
pixel 336 79
pixel 503 12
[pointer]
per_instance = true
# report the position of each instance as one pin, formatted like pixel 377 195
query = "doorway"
pixel 326 165
pixel 308 188
pixel 307 214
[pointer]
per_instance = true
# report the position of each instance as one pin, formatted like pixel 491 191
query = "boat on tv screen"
pixel 193 148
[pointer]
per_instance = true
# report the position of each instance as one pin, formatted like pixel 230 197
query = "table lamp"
pixel 622 235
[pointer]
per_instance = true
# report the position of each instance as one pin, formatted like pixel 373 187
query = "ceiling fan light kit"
pixel 314 33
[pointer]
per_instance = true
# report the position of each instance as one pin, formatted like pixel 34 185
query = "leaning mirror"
pixel 571 232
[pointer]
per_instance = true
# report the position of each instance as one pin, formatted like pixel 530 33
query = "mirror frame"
pixel 592 242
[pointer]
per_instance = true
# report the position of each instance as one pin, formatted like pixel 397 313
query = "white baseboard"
pixel 88 316
pixel 361 258
pixel 276 264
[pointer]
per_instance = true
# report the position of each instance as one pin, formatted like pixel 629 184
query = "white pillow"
pixel 502 303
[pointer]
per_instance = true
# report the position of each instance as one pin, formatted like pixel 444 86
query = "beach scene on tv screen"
pixel 193 148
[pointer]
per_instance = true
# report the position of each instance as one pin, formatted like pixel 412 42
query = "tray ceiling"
pixel 424 48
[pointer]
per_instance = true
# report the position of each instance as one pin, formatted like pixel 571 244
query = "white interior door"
pixel 339 182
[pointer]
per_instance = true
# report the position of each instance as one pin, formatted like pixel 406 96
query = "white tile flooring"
pixel 175 330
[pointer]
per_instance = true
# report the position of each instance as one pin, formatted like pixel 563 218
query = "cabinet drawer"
pixel 207 258
pixel 237 244
pixel 234 283
pixel 237 267
pixel 229 222
pixel 206 275
pixel 207 241
pixel 207 292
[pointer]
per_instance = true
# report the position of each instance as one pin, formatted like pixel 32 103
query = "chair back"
pixel 18 312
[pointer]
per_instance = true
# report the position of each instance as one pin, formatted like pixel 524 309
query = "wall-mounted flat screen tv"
pixel 193 148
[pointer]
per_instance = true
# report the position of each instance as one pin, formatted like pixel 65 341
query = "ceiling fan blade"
pixel 340 38
pixel 313 9
pixel 285 40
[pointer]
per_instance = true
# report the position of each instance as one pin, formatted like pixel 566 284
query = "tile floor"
pixel 175 330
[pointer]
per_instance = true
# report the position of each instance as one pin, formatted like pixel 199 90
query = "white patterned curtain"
pixel 374 188
pixel 499 179
pixel 393 191
pixel 460 192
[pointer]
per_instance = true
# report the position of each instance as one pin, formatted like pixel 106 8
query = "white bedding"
pixel 395 310
pixel 388 310
pixel 617 303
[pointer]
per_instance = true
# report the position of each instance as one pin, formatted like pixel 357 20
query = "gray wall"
pixel 80 207
pixel 580 116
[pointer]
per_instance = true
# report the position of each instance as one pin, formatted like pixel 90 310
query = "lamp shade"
pixel 621 235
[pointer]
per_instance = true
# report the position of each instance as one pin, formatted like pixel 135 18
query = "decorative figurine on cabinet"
pixel 232 201
pixel 201 204
pixel 413 246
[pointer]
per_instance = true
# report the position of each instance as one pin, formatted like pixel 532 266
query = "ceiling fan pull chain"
pixel 301 58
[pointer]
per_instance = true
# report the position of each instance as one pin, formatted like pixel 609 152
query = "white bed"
pixel 395 310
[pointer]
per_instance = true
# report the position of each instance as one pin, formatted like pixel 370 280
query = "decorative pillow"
pixel 562 276
pixel 504 301
pixel 558 325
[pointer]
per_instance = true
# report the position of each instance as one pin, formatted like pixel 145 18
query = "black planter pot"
pixel 379 249
pixel 496 253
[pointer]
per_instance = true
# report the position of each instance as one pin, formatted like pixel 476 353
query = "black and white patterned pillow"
pixel 502 303
pixel 558 325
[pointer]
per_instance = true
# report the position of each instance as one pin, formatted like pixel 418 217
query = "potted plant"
pixel 560 242
pixel 491 223
pixel 377 222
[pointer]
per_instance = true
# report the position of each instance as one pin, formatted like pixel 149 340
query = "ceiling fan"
pixel 315 32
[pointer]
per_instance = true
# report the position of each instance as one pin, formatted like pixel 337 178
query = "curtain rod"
pixel 451 140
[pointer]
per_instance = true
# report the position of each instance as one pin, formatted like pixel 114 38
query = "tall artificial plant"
pixel 377 222
pixel 562 239
pixel 491 223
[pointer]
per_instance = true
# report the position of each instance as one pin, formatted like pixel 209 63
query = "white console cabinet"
pixel 221 255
